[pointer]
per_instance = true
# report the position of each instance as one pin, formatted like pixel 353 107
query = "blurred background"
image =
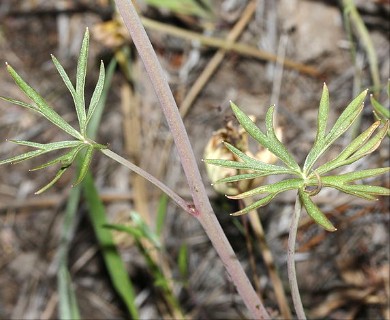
pixel 255 53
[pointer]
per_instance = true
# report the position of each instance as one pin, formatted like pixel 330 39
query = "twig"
pixel 229 46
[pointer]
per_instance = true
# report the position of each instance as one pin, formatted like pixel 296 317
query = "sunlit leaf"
pixel 87 158
pixel 277 187
pixel 43 107
pixel 96 93
pixel 80 83
pixel 275 146
pixel 314 212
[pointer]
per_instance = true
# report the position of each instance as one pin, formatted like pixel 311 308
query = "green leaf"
pixel 275 188
pixel 60 172
pixel 24 156
pixel 43 107
pixel 357 149
pixel 161 214
pixel 133 231
pixel 274 144
pixel 257 163
pixel 379 109
pixel 65 160
pixel 21 104
pixel 322 117
pixel 114 263
pixel 80 83
pixel 353 176
pixel 257 204
pixel 347 117
pixel 87 158
pixel 270 142
pixel 244 176
pixel 234 165
pixel 48 146
pixel 65 78
pixel 96 93
pixel 314 212
pixel 342 124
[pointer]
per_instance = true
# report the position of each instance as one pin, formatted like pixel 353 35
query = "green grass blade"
pixel 133 231
pixel 80 82
pixel 314 212
pixel 96 93
pixel 67 304
pixel 161 214
pixel 44 108
pixel 116 268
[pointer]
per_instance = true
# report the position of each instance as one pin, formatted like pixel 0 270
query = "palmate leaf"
pixel 357 149
pixel 367 142
pixel 65 160
pixel 42 105
pixel 268 141
pixel 342 124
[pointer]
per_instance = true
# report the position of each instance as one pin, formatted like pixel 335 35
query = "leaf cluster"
pixel 39 105
pixel 306 180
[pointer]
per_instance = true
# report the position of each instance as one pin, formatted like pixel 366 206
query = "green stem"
pixel 169 192
pixel 292 276
pixel 203 210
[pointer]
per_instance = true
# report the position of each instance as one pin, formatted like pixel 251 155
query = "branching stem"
pixel 164 188
pixel 292 276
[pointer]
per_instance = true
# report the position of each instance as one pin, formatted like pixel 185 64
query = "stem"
pixel 204 212
pixel 292 276
pixel 169 192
